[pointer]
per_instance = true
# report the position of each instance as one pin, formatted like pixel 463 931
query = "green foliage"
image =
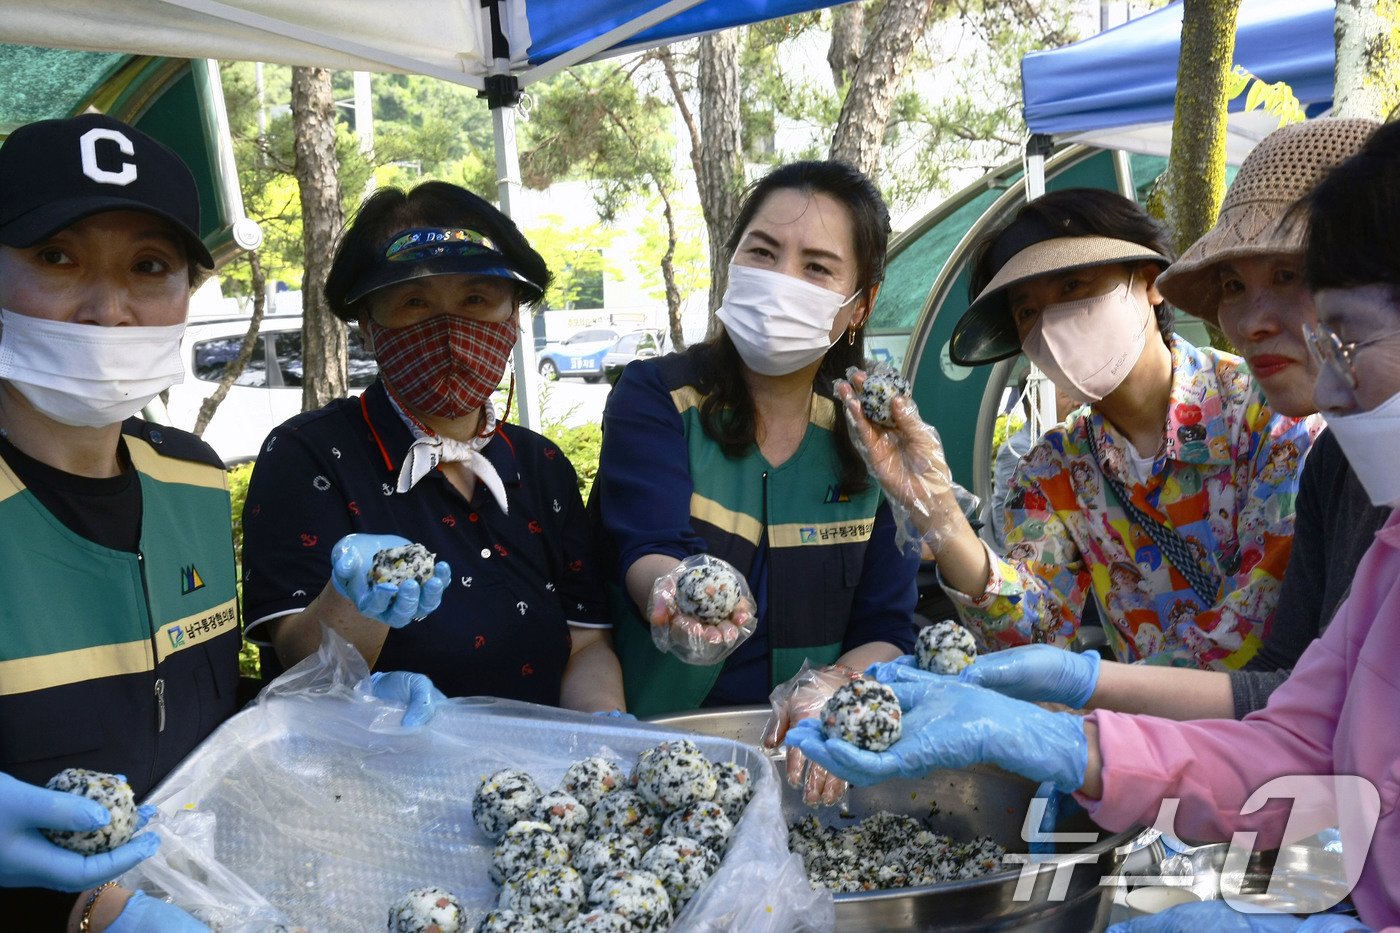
pixel 1277 99
pixel 692 258
pixel 575 253
pixel 1006 425
pixel 237 478
pixel 582 444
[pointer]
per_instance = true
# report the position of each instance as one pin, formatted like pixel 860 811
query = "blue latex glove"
pixel 29 859
pixel 1220 917
pixel 1039 673
pixel 1058 805
pixel 143 914
pixel 395 606
pixel 953 725
pixel 903 668
pixel 616 714
pixel 416 691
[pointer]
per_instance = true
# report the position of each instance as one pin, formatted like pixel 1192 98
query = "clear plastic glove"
pixel 907 461
pixel 802 697
pixel 1220 917
pixel 415 691
pixel 954 725
pixel 693 639
pixel 29 860
pixel 395 606
pixel 146 914
pixel 1038 673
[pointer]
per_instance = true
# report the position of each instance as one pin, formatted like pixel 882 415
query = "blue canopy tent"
pixel 495 46
pixel 1117 90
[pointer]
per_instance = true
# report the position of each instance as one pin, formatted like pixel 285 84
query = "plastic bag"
pixel 702 610
pixel 314 807
pixel 906 458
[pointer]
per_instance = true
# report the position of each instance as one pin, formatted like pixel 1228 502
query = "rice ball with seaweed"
pixel 625 812
pixel 733 788
pixel 606 853
pixel 552 893
pixel 591 779
pixel 865 713
pixel 944 648
pixel 682 866
pixel 510 921
pixel 703 821
pixel 710 591
pixel 600 921
pixel 674 774
pixel 113 793
pixel 427 909
pixel 398 564
pixel 882 386
pixel 527 844
pixel 502 800
pixel 565 815
pixel 637 895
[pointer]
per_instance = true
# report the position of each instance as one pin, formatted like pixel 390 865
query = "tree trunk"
pixel 668 273
pixel 875 83
pixel 234 368
pixel 1368 59
pixel 1195 180
pixel 721 177
pixel 847 39
pixel 322 333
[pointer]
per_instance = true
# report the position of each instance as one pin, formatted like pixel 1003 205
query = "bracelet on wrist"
pixel 85 921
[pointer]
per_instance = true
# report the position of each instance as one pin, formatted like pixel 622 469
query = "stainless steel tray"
pixel 971 802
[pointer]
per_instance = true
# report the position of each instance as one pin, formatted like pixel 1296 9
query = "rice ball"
pixel 504 799
pixel 945 648
pixel 733 788
pixel 704 822
pixel 865 713
pixel 625 812
pixel 398 564
pixel 509 921
pixel 600 921
pixel 110 790
pixel 526 845
pixel 425 909
pixel 590 779
pixel 637 895
pixel 709 591
pixel 882 386
pixel 606 853
pixel 674 774
pixel 553 894
pixel 682 866
pixel 565 815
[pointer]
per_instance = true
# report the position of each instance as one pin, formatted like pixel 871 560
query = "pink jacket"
pixel 1339 713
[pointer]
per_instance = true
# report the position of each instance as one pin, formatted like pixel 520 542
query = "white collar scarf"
pixel 429 449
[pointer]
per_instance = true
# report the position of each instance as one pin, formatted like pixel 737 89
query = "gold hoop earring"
pixel 851 336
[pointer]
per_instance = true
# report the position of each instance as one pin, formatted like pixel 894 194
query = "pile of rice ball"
pixel 886 850
pixel 604 851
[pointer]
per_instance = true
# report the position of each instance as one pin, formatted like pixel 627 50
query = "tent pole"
pixel 1037 149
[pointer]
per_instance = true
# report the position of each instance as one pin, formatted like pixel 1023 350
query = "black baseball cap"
pixel 54 173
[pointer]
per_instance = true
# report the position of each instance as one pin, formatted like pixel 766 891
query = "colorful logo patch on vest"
pixel 190 580
pixel 807 534
pixel 176 634
pixel 835 494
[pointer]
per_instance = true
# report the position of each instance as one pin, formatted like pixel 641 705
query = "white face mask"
pixel 1371 441
pixel 778 323
pixel 1088 347
pixel 86 375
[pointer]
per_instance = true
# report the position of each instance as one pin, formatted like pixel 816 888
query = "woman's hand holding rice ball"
pixel 388 578
pixel 701 610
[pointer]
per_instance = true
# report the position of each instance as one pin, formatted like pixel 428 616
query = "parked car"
pixel 579 355
pixel 265 394
pixel 638 345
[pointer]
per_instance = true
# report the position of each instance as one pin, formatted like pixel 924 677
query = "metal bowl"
pixel 972 802
pixel 1297 879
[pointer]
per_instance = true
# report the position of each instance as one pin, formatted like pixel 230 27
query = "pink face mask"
pixel 1088 347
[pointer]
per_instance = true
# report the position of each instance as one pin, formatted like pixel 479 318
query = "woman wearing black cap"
pixel 1168 498
pixel 435 278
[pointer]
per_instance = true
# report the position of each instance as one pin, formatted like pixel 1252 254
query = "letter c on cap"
pixel 97 173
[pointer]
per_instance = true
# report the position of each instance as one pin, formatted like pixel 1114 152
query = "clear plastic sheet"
pixel 315 807
pixel 693 639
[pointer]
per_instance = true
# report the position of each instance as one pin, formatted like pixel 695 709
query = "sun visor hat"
pixel 427 251
pixel 1027 250
pixel 54 173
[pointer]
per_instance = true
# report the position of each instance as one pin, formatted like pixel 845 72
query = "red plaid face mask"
pixel 446 366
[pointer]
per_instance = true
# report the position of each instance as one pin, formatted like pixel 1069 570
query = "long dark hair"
pixel 431 204
pixel 1079 212
pixel 1354 219
pixel 727 413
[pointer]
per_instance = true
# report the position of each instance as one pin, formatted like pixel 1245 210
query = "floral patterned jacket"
pixel 1225 479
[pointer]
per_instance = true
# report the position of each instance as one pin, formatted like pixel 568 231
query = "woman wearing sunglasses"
pixel 435 277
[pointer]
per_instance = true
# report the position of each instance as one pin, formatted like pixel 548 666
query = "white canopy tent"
pixel 495 46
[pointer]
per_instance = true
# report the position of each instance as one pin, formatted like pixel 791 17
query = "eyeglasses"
pixel 426 242
pixel 1330 350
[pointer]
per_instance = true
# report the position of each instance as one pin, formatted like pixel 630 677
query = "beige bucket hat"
pixel 1254 218
pixel 986 333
